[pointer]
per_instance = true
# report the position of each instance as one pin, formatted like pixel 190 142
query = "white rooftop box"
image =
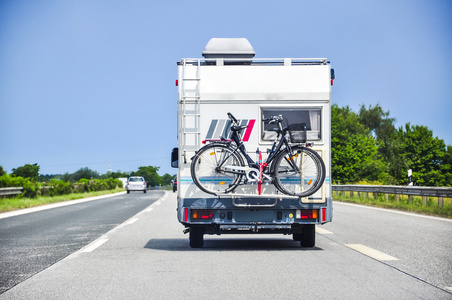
pixel 228 48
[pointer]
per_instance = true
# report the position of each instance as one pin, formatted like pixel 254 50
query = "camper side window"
pixel 309 116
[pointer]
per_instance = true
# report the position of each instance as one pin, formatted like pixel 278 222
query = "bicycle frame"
pixel 263 171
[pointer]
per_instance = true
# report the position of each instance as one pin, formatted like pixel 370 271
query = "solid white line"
pixel 54 205
pixel 394 211
pixel 371 252
pixel 322 231
pixel 94 245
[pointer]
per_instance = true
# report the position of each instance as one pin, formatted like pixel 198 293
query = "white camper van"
pixel 266 116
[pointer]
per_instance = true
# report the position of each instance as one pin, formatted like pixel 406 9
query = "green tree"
pixel 2 171
pixel 118 174
pixel 167 179
pixel 354 150
pixel 426 155
pixel 382 128
pixel 150 175
pixel 30 171
pixel 84 173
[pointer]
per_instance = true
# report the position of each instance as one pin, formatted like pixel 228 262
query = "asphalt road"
pixel 363 254
pixel 32 242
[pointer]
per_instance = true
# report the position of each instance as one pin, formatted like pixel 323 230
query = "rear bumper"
pixel 224 217
pixel 136 188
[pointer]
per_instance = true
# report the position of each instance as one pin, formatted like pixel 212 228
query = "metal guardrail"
pixel 11 191
pixel 424 192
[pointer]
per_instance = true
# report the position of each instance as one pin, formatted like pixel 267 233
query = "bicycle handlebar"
pixel 269 120
pixel 273 119
pixel 232 118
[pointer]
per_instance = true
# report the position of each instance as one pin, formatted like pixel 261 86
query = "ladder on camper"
pixel 190 106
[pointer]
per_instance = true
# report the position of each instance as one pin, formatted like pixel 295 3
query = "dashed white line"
pixel 94 245
pixel 371 252
pixel 131 221
pixel 322 231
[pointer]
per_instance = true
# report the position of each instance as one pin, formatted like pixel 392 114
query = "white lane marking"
pixel 158 203
pixel 448 288
pixel 131 221
pixel 94 245
pixel 322 231
pixel 394 211
pixel 371 252
pixel 148 209
pixel 54 205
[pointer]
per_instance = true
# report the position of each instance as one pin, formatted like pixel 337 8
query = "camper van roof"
pixel 228 48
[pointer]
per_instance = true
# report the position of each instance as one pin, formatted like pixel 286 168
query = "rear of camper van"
pixel 229 79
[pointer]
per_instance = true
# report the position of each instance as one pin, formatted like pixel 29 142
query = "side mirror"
pixel 175 158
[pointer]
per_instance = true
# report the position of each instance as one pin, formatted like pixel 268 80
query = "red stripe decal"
pixel 246 137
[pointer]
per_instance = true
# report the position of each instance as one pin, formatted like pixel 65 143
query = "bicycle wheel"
pixel 212 169
pixel 301 174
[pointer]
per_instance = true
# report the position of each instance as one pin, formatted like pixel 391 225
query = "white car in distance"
pixel 136 183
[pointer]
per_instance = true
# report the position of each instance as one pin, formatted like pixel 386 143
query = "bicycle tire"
pixel 305 182
pixel 207 169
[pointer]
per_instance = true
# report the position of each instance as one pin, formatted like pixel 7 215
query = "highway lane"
pixel 421 244
pixel 148 256
pixel 32 242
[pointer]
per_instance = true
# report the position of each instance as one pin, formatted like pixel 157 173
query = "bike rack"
pixel 276 198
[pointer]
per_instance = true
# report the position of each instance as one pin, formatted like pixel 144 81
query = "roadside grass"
pixel 9 204
pixel 429 206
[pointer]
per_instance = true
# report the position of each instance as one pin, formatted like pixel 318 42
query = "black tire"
pixel 128 192
pixel 207 169
pixel 196 237
pixel 304 180
pixel 144 191
pixel 307 237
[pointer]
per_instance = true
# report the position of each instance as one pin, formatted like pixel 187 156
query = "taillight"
pixel 307 214
pixel 201 214
pixel 186 214
pixel 323 214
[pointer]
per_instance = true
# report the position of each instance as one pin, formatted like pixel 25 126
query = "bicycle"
pixel 296 170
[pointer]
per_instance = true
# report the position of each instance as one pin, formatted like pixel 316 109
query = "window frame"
pixel 309 133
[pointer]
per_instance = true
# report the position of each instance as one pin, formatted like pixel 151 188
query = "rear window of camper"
pixel 311 117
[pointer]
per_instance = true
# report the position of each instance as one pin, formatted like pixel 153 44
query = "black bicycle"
pixel 294 168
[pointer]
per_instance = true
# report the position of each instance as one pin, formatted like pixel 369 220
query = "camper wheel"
pixel 196 237
pixel 307 237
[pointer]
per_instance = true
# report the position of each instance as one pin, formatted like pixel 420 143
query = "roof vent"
pixel 228 48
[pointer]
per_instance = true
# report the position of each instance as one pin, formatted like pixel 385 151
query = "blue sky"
pixel 92 83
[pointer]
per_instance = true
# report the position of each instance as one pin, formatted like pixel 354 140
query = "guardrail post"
pixel 397 196
pixel 424 200
pixel 386 197
pixel 351 194
pixel 410 198
pixel 440 202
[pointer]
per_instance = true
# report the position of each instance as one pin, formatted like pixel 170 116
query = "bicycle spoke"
pixel 209 169
pixel 299 174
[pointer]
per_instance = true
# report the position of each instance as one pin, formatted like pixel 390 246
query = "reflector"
pixel 203 214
